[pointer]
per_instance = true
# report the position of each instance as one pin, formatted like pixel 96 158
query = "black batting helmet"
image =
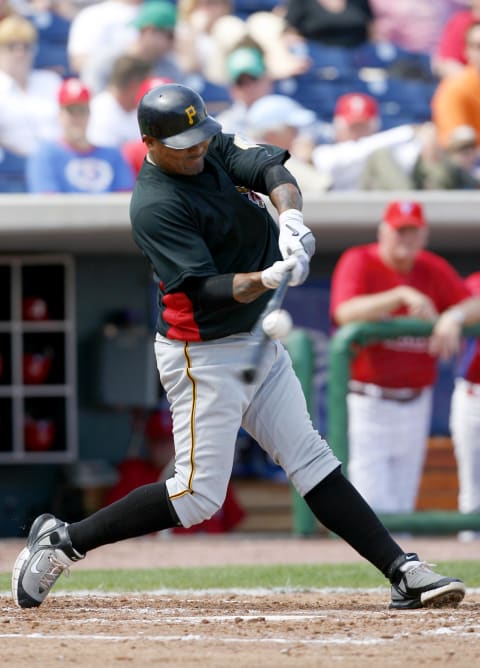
pixel 175 115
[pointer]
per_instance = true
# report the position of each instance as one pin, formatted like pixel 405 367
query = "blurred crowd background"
pixel 365 94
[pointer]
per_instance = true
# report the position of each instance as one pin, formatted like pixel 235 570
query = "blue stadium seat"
pixel 318 95
pixel 243 8
pixel 387 56
pixel 12 172
pixel 330 62
pixel 412 97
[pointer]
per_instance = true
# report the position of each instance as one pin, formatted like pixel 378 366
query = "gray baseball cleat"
pixel 415 585
pixel 47 555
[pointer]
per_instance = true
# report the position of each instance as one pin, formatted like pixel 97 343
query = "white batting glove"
pixel 294 235
pixel 298 264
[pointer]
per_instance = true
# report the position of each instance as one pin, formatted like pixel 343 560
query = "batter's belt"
pixel 401 394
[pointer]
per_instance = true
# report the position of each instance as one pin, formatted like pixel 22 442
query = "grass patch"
pixel 309 576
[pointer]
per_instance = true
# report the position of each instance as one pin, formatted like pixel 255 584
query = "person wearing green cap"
pixel 249 81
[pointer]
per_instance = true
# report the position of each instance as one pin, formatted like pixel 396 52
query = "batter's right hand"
pixel 298 265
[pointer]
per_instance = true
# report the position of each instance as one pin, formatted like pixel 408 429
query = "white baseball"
pixel 277 324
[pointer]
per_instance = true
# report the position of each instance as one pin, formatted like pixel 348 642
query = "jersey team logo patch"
pixel 254 197
pixel 191 112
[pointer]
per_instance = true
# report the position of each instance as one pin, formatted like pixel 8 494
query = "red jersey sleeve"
pixel 448 287
pixel 349 277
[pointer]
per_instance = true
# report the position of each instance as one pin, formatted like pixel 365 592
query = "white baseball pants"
pixel 210 402
pixel 465 428
pixel 387 445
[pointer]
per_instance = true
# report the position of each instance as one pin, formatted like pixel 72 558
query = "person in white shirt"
pixel 113 119
pixel 356 124
pixel 154 41
pixel 107 22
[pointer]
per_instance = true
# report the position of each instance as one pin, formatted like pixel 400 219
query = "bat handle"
pixel 249 372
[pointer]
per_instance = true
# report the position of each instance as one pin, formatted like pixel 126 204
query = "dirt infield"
pixel 238 629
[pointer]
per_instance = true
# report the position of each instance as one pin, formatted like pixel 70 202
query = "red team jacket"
pixel 402 362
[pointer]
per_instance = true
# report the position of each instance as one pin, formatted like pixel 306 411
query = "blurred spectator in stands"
pixel 157 464
pixel 28 101
pixel 283 51
pixel 456 100
pixel 390 392
pixel 413 25
pixel 108 22
pixel 153 42
pixel 279 120
pixel 52 19
pixel 113 119
pixel 356 124
pixel 73 164
pixel 134 151
pixel 465 405
pixel 343 23
pixel 249 82
pixel 450 56
pixel 462 148
pixel 195 45
pixel 422 164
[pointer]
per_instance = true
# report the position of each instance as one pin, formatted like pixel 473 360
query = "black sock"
pixel 340 508
pixel 143 511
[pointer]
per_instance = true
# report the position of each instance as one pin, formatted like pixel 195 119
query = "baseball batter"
pixel 390 392
pixel 218 254
pixel 465 405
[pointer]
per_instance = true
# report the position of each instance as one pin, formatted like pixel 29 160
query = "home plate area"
pixel 237 629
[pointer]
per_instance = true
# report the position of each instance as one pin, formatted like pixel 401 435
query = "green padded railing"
pixel 341 352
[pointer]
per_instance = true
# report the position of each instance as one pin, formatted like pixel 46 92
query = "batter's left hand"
pixel 294 235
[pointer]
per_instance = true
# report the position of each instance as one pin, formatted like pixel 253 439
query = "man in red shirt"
pixel 390 391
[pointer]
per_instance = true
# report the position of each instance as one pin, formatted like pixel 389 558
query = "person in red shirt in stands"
pixel 390 391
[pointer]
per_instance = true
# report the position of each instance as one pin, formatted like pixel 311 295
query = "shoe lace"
pixel 51 576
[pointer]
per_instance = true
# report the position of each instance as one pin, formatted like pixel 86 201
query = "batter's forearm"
pixel 286 196
pixel 248 287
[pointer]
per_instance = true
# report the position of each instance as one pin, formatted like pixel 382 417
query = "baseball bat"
pixel 260 339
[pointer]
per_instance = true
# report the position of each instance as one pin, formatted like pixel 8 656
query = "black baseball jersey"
pixel 204 225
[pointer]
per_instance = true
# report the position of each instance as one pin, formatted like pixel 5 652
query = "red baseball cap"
pixel 356 108
pixel 73 91
pixel 404 214
pixel 148 84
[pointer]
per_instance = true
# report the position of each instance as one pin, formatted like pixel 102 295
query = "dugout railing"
pixel 341 352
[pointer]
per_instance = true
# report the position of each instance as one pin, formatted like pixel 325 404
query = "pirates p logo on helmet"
pixel 191 113
pixel 176 115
